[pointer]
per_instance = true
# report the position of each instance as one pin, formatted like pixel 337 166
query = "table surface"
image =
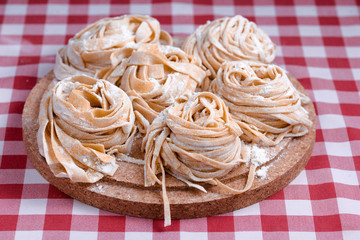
pixel 318 42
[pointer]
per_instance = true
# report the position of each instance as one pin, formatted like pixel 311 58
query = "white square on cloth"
pixel 224 10
pixel 314 51
pixel 302 235
pixel 347 11
pixel 298 207
pixel 264 11
pixel 346 177
pixel 317 72
pixel 140 235
pixel 348 206
pixel 182 9
pixel 15 9
pixel 310 31
pixel 341 149
pixel 240 235
pixel 99 9
pixel 144 9
pixel 28 235
pixel 306 11
pixel 331 121
pixel 350 31
pixel 32 206
pixel 353 52
pixel 57 9
pixel 75 235
pixel 327 96
pixel 193 235
pixel 55 29
pixel 12 29
pixel 5 93
pixel 32 176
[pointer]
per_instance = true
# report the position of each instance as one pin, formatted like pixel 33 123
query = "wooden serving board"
pixel 125 192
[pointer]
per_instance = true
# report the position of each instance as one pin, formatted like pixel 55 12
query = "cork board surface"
pixel 124 193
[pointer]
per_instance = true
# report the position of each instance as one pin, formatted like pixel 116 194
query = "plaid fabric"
pixel 318 42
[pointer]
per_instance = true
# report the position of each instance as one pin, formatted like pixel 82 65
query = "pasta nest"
pixel 229 39
pixel 262 100
pixel 90 51
pixel 84 123
pixel 154 76
pixel 195 140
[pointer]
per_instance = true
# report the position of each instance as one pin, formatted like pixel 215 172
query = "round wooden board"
pixel 125 195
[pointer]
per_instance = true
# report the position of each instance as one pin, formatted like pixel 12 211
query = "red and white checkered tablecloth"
pixel 318 42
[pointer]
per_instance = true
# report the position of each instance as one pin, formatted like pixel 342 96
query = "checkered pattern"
pixel 319 43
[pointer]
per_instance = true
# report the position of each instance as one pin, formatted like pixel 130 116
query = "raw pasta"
pixel 155 76
pixel 84 122
pixel 91 50
pixel 262 100
pixel 229 39
pixel 195 140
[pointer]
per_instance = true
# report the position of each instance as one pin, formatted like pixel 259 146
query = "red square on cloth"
pixel 329 21
pixel 287 20
pixel 13 162
pixel 13 134
pixel 22 82
pixel 322 191
pixel 16 107
pixel 318 162
pixel 57 222
pixel 344 85
pixel 220 224
pixel 202 19
pixel 274 223
pixel 350 109
pixel 333 41
pixel 290 41
pixel 330 223
pixel 8 222
pixel 284 2
pixel 35 19
pixel 78 19
pixel 338 63
pixel 55 193
pixel 324 2
pixel 111 224
pixel 11 191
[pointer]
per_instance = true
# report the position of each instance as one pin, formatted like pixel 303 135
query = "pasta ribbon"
pixel 91 51
pixel 228 39
pixel 154 77
pixel 84 122
pixel 194 140
pixel 262 100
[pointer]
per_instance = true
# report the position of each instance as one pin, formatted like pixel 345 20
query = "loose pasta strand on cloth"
pixel 84 123
pixel 228 39
pixel 92 50
pixel 194 140
pixel 262 100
